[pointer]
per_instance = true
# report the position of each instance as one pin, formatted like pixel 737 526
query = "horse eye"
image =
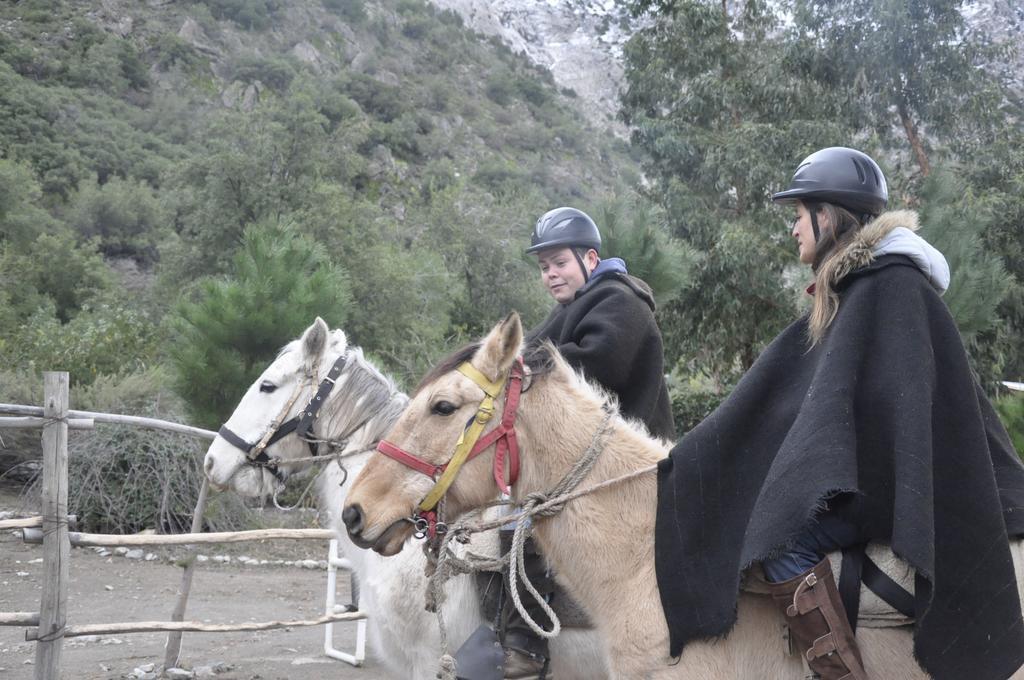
pixel 267 387
pixel 444 408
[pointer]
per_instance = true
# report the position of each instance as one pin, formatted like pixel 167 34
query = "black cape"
pixel 886 409
pixel 608 331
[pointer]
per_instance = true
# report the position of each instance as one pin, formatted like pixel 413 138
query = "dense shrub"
pixel 383 101
pixel 105 339
pixel 275 72
pixel 354 11
pixel 124 215
pixel 1011 412
pixel 250 14
pixel 52 271
pixel 170 50
pixel 692 401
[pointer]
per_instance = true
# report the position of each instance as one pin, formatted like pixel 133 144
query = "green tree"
pixel 235 325
pixel 55 270
pixel 124 215
pixel 903 65
pixel 21 218
pixel 404 293
pixel 255 166
pixel 718 108
pixel 953 224
pixel 629 230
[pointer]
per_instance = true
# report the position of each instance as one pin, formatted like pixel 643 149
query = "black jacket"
pixel 608 331
pixel 885 411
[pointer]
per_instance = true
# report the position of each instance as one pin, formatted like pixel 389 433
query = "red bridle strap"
pixel 507 449
pixel 409 460
pixel 504 437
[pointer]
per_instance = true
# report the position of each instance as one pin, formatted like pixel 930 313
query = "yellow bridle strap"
pixel 469 436
pixel 492 389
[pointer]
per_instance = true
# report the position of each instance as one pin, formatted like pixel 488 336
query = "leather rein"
pixel 301 423
pixel 472 442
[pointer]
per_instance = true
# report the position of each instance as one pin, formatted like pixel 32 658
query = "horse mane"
pixel 366 391
pixel 538 356
pixel 448 364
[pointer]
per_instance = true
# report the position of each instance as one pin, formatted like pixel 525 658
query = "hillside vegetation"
pixel 144 144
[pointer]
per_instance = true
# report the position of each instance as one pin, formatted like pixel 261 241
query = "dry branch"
pixel 194 626
pixel 29 522
pixel 19 618
pixel 79 539
pixel 19 422
pixel 152 423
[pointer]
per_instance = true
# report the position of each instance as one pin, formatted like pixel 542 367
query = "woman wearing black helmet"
pixel 860 422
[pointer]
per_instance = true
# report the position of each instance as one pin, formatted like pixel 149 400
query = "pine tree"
pixel 223 339
pixel 723 117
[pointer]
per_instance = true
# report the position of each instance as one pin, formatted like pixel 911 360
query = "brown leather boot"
pixel 818 623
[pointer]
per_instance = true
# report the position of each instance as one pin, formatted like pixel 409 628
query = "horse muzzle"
pixel 388 542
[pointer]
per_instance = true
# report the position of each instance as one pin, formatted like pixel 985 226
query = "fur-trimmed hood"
pixel 891 233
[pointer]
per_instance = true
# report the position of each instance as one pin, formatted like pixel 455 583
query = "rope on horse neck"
pixel 532 506
pixel 539 504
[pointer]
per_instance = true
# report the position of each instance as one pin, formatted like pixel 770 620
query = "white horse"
pixel 355 414
pixel 600 545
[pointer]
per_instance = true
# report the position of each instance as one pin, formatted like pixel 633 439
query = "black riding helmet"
pixel 846 177
pixel 564 227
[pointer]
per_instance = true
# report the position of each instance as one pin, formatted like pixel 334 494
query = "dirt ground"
pixel 106 589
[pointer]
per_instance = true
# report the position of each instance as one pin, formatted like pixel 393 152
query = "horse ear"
pixel 314 341
pixel 500 348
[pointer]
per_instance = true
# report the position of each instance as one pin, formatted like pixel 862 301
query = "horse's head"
pixel 282 392
pixel 388 492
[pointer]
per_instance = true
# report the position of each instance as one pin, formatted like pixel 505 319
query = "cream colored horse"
pixel 361 408
pixel 602 545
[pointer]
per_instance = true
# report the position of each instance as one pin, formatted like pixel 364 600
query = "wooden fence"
pixel 48 627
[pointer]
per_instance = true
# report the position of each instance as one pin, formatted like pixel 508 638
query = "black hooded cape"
pixel 886 409
pixel 608 331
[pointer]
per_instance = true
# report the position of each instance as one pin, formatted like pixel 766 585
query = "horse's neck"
pixel 598 538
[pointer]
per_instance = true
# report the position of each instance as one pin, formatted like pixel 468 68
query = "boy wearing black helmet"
pixel 861 422
pixel 604 322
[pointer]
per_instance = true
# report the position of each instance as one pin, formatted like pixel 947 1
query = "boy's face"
pixel 561 274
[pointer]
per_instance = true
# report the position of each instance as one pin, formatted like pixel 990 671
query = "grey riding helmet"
pixel 845 177
pixel 564 227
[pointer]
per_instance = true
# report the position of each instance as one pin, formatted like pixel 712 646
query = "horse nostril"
pixel 208 465
pixel 353 519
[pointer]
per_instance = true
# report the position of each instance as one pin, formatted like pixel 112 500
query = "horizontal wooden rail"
pixel 29 522
pixel 18 422
pixel 19 618
pixel 151 423
pixel 193 626
pixel 32 535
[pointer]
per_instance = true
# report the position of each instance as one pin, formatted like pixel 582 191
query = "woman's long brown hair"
pixel 828 267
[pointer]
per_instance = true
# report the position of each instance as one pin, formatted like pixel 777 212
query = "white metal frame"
pixel 334 563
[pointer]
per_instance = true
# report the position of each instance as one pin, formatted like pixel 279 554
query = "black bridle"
pixel 301 424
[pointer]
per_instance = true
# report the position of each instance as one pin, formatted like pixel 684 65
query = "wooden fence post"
pixel 56 546
pixel 172 649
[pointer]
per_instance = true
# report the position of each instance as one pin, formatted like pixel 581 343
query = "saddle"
pixel 875 611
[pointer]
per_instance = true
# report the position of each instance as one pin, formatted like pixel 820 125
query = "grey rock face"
pixel 579 41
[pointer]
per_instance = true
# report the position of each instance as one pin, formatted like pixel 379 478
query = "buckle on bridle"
pixel 427 527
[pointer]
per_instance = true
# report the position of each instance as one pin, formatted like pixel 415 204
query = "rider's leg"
pixel 526 652
pixel 802 584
